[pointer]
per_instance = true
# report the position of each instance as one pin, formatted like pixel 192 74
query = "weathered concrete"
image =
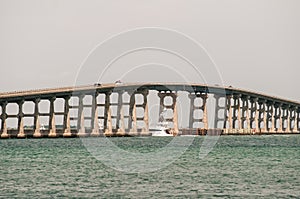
pixel 245 112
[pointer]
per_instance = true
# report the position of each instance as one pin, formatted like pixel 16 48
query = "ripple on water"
pixel 248 166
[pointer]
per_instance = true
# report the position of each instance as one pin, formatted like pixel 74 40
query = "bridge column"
pixel 107 116
pixel 52 125
pixel 217 109
pixel 236 112
pixel 204 108
pixel 298 119
pixel 145 130
pixel 262 116
pixel 21 133
pixel 269 113
pixel 276 117
pixel 193 108
pixel 37 125
pixel 120 115
pixel 245 114
pixel 173 107
pixel 270 117
pixel 132 113
pixel 229 115
pixel 175 115
pixel 254 114
pixel 4 133
pixel 67 122
pixel 280 112
pixel 288 128
pixel 191 117
pixel 95 122
pixel 284 117
pixel 81 118
pixel 294 119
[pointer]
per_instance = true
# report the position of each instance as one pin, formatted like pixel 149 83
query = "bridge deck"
pixel 191 87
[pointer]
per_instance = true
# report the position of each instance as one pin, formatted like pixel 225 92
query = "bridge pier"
pixel 270 117
pixel 80 122
pixel 254 114
pixel 173 107
pixel 229 110
pixel 132 113
pixel 52 125
pixel 236 119
pixel 279 116
pixel 36 122
pixel 220 121
pixel 145 130
pixel 298 119
pixel 288 129
pixel 21 133
pixel 294 120
pixel 94 122
pixel 285 118
pixel 194 108
pixel 67 120
pixel 4 133
pixel 120 116
pixel 245 113
pixel 107 116
pixel 261 116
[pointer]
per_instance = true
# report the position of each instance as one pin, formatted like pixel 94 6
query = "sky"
pixel 254 44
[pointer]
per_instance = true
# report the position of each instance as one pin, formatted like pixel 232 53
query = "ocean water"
pixel 237 167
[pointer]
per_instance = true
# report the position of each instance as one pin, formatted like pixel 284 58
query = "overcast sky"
pixel 254 43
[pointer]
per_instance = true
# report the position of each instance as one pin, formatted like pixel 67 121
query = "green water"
pixel 244 166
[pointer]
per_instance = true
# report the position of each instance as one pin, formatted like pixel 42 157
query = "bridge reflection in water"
pixel 236 111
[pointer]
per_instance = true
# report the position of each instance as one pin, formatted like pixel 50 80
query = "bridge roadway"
pixel 244 111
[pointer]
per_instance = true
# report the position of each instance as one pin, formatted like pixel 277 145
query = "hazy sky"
pixel 254 43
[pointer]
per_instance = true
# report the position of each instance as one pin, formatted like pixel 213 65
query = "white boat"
pixel 162 127
pixel 159 131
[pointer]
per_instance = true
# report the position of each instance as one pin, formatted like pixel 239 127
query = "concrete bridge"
pixel 123 109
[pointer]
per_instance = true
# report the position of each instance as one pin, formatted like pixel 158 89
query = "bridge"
pixel 122 109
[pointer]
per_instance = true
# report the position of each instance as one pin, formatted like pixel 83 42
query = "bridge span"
pixel 123 109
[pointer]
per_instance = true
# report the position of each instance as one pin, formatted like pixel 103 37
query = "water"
pixel 238 166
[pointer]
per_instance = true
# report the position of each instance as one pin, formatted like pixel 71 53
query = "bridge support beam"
pixel 254 115
pixel 132 112
pixel 288 120
pixel 298 119
pixel 285 118
pixel 37 125
pixel 81 118
pixel 21 133
pixel 277 118
pixel 229 108
pixel 294 129
pixel 270 117
pixel 95 123
pixel 145 130
pixel 173 106
pixel 120 116
pixel 4 133
pixel 262 119
pixel 236 119
pixel 175 115
pixel 52 124
pixel 194 108
pixel 245 115
pixel 67 121
pixel 107 116
pixel 220 121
